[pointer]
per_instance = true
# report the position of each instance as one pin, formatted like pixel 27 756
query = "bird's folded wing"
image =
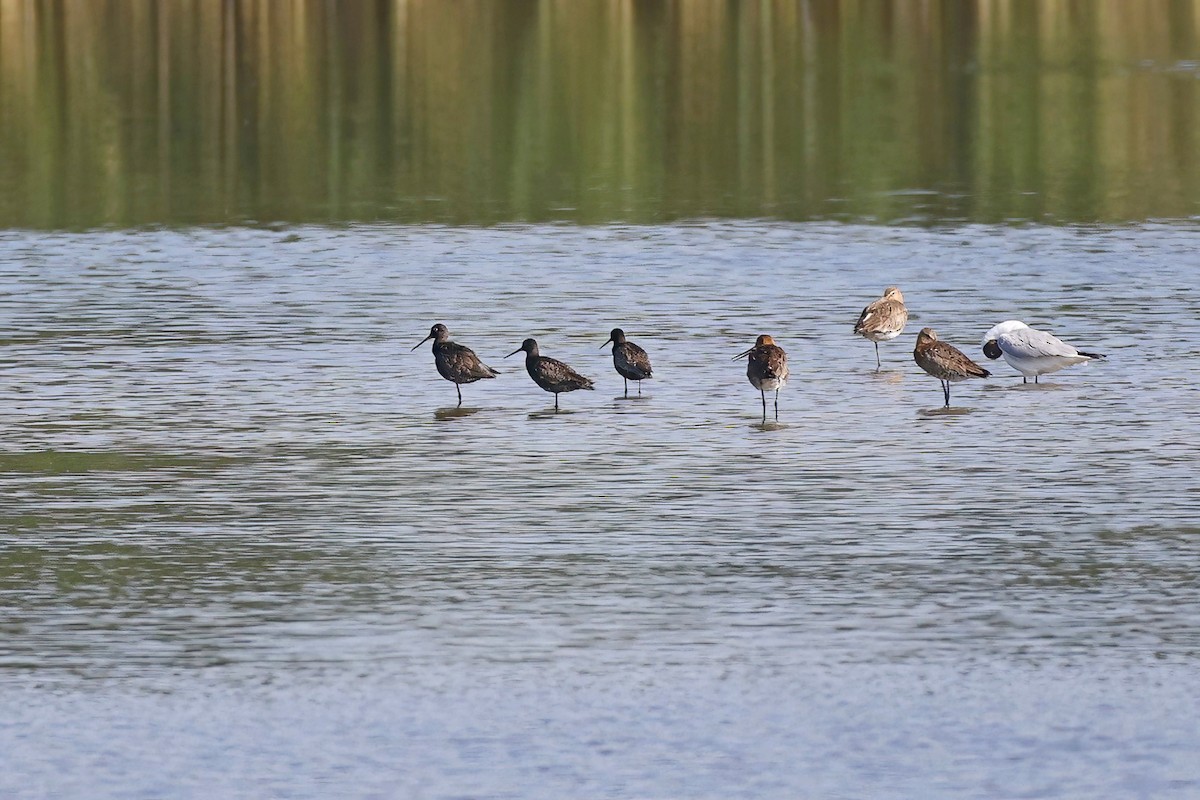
pixel 1030 343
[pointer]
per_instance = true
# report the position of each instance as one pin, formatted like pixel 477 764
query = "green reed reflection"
pixel 141 111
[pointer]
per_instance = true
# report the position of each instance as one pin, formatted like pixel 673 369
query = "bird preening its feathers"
pixel 1031 352
pixel 766 369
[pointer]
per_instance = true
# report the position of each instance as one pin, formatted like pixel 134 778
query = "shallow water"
pixel 252 548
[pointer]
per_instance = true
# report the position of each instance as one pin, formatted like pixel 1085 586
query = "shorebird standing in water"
pixel 767 369
pixel 551 375
pixel 883 320
pixel 1031 352
pixel 944 361
pixel 630 360
pixel 455 363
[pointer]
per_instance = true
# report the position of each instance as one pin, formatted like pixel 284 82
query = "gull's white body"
pixel 1032 352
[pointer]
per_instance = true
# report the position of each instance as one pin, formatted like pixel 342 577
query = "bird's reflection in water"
pixel 945 411
pixel 1017 386
pixel 551 413
pixel 768 426
pixel 454 412
pixel 887 376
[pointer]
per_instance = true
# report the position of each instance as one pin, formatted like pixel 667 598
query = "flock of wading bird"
pixel 1029 351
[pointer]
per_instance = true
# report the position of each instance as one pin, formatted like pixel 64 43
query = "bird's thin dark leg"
pixel 556 401
pixel 639 388
pixel 458 389
pixel 776 405
pixel 1024 379
pixel 946 391
pixel 626 385
pixel 764 399
pixel 1035 377
pixel 878 363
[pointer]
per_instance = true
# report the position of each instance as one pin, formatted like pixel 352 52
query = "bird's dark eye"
pixel 991 349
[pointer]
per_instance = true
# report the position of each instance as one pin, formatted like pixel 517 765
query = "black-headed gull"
pixel 1029 351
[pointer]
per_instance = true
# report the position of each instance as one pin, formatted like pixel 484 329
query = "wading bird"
pixel 767 369
pixel 1031 352
pixel 883 320
pixel 944 361
pixel 455 363
pixel 630 361
pixel 550 374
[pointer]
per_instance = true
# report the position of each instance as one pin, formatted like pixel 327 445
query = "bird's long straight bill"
pixel 743 355
pixel 418 344
pixel 514 352
pixel 606 344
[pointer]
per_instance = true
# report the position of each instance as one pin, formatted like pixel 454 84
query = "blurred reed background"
pixel 134 112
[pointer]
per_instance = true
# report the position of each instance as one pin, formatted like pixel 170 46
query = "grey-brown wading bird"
pixel 767 369
pixel 630 361
pixel 883 320
pixel 944 361
pixel 455 363
pixel 550 374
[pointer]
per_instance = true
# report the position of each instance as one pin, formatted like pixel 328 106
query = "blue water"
pixel 252 549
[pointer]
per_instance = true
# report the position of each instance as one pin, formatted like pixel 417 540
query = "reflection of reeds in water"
pixel 132 111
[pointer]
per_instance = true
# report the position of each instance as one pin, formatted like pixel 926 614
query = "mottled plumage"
pixel 550 374
pixel 883 320
pixel 455 363
pixel 630 361
pixel 944 361
pixel 1031 352
pixel 767 369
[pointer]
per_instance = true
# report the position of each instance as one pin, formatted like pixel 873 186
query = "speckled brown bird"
pixel 630 361
pixel 883 320
pixel 767 369
pixel 944 361
pixel 455 363
pixel 550 374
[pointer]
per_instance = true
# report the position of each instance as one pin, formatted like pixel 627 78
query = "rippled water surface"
pixel 251 548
